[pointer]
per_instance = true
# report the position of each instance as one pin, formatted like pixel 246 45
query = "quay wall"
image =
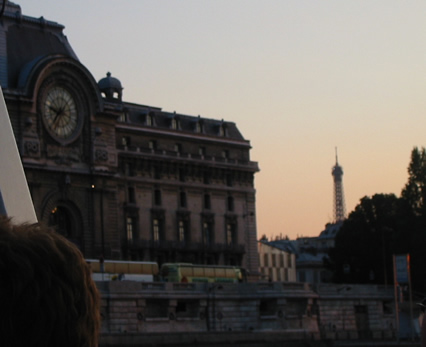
pixel 322 312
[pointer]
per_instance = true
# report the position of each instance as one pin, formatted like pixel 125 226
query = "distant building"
pixel 310 268
pixel 321 243
pixel 311 253
pixel 277 261
pixel 123 180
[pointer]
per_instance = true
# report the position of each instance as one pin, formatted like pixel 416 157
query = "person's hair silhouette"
pixel 47 295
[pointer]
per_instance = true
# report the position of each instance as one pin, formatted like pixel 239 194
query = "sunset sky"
pixel 299 78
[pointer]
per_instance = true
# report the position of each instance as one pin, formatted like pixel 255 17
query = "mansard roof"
pixel 138 114
pixel 27 39
pixel 283 245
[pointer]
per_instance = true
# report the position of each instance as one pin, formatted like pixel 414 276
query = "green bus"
pixel 184 272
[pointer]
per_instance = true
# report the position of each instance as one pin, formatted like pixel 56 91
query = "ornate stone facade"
pixel 122 180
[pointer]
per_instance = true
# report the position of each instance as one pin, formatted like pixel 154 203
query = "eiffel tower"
pixel 339 198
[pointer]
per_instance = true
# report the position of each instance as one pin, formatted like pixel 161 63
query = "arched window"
pixel 66 223
pixel 62 221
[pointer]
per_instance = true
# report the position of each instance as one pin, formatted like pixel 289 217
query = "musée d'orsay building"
pixel 123 180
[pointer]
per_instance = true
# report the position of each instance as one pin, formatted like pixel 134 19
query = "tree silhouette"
pixel 383 225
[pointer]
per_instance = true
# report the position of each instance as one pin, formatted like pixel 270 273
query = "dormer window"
pixel 199 125
pixel 122 118
pixel 223 129
pixel 149 120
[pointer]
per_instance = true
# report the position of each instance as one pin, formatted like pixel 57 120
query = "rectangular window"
pixel 282 260
pixel 207 233
pixel 182 174
pixel 157 197
pixel 230 204
pixel 265 260
pixel 156 229
pixel 202 151
pixel 229 179
pixel 181 231
pixel 129 228
pixel 131 195
pixel 152 144
pixel 207 202
pixel 183 199
pixel 178 148
pixel 206 177
pixel 289 260
pixel 274 260
pixel 230 234
pixel 125 141
pixel 187 308
pixel 156 308
pixel 128 169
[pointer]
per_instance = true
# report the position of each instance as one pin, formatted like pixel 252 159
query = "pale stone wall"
pixel 355 311
pixel 276 264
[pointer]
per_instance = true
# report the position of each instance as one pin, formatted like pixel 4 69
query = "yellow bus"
pixel 183 272
pixel 111 270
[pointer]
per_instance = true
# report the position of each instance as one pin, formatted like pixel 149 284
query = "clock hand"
pixel 58 114
pixel 53 109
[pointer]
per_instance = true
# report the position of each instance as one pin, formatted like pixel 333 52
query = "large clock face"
pixel 60 115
